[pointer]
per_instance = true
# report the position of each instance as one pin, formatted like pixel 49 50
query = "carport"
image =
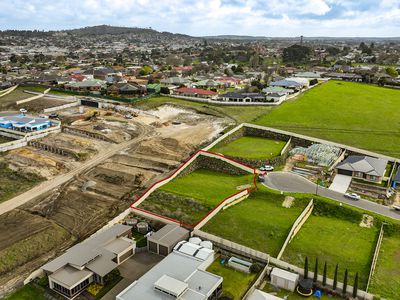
pixel 340 183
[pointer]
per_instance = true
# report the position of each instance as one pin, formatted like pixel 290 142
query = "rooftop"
pixel 364 164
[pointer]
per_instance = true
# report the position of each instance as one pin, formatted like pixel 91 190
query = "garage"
pixel 163 241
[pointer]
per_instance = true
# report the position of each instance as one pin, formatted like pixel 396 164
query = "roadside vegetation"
pixel 251 147
pixel 345 112
pixel 27 292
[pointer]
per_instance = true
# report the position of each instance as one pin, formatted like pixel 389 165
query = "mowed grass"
pixel 238 113
pixel 27 292
pixel 335 241
pixel 386 279
pixel 251 147
pixel 235 283
pixel 354 114
pixel 209 187
pixel 258 222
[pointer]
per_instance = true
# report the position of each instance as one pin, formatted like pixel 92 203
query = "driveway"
pixel 340 183
pixel 131 270
pixel 289 182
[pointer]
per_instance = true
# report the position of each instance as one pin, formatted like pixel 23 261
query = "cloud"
pixel 212 17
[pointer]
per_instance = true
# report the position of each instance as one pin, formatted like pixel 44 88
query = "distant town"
pixel 138 164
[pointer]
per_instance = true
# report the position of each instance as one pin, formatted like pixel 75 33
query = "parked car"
pixel 267 168
pixel 396 207
pixel 352 196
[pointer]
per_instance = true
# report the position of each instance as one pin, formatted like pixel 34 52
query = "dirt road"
pixel 61 179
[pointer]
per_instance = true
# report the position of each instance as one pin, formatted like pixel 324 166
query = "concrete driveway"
pixel 340 183
pixel 289 182
pixel 132 270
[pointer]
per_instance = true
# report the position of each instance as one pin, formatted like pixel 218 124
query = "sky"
pixel 272 18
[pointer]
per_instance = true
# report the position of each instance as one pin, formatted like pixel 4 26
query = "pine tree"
pixel 345 282
pixel 316 270
pixel 355 286
pixel 324 276
pixel 306 268
pixel 335 278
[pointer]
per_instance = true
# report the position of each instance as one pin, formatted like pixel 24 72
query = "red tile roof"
pixel 195 91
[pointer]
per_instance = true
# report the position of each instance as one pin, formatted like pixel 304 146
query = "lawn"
pixel 251 147
pixel 235 283
pixel 191 197
pixel 259 222
pixel 238 113
pixel 208 186
pixel 27 292
pixel 360 115
pixel 268 288
pixel 335 241
pixel 386 279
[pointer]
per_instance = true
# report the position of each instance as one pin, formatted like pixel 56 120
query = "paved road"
pixel 289 182
pixel 61 179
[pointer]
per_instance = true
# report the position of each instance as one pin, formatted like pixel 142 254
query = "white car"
pixel 352 196
pixel 267 168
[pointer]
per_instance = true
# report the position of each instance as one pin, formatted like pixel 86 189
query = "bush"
pixel 43 281
pixel 94 288
pixel 164 90
pixel 313 81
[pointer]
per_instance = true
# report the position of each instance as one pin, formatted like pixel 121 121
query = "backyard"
pixel 190 197
pixel 251 147
pixel 235 283
pixel 335 241
pixel 386 279
pixel 344 112
pixel 259 222
pixel 27 292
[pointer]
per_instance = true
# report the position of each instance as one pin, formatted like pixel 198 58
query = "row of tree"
pixel 335 278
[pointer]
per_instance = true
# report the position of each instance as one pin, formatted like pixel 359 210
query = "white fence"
pixel 68 105
pixel 376 255
pixel 7 91
pixel 33 98
pixel 297 226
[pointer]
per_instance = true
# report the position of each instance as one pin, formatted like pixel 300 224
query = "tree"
pixel 306 268
pixel 335 278
pixel 145 70
pixel 333 51
pixel 297 54
pixel 391 72
pixel 355 286
pixel 346 274
pixel 316 270
pixel 324 276
pixel 164 90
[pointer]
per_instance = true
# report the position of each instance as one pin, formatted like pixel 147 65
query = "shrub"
pixel 94 288
pixel 255 268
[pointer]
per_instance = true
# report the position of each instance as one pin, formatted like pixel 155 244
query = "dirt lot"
pixel 84 204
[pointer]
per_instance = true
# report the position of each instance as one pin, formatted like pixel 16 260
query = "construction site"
pixel 86 175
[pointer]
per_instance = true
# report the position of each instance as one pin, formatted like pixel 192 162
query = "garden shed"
pixel 163 241
pixel 284 279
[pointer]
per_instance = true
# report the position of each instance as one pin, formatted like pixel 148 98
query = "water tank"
pixel 142 227
pixel 206 244
pixel 131 222
pixel 195 240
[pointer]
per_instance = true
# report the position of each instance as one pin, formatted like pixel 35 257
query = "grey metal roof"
pixel 180 267
pixel 364 164
pixel 69 276
pixel 169 235
pixel 86 252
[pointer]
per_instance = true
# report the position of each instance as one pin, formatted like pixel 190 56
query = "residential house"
pixel 180 275
pixel 207 84
pixel 90 261
pixel 196 93
pixel 175 81
pixel 363 167
pixel 86 86
pixel 343 76
pixel 287 84
pixel 396 178
pixel 242 97
pixel 126 89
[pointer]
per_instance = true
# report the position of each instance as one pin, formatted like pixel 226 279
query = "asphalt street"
pixel 289 182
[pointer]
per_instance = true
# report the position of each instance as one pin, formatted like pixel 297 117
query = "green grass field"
pixel 251 147
pixel 386 279
pixel 237 113
pixel 268 288
pixel 191 197
pixel 335 241
pixel 235 283
pixel 354 114
pixel 259 222
pixel 27 292
pixel 209 187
